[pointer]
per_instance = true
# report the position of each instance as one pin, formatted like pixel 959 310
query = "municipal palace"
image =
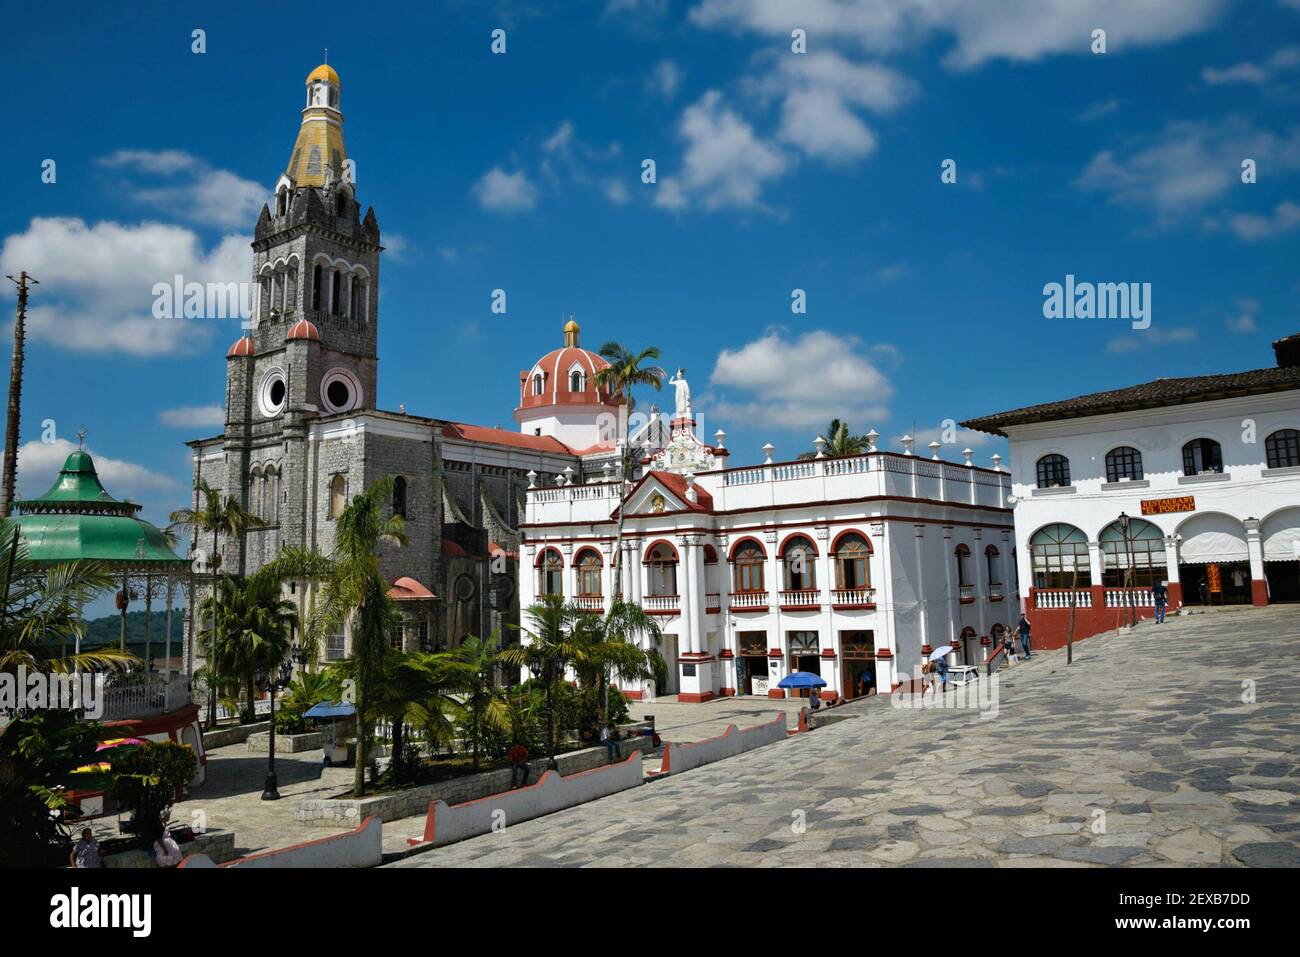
pixel 854 568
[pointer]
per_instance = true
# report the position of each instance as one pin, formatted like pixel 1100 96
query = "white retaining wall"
pixel 448 824
pixel 684 757
pixel 362 847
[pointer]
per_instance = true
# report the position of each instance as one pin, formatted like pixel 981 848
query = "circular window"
pixel 340 390
pixel 271 396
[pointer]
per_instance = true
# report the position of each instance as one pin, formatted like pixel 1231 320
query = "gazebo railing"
pixel 135 696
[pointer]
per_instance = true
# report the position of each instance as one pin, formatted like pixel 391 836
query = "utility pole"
pixel 15 397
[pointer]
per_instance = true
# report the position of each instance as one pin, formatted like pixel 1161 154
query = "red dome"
pixel 556 369
pixel 243 347
pixel 302 329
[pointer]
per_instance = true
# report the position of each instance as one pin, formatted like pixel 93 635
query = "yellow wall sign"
pixel 1162 506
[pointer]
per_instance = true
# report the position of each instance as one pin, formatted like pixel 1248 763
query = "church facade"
pixel 303 432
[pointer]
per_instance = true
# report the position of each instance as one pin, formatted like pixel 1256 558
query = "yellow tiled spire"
pixel 320 138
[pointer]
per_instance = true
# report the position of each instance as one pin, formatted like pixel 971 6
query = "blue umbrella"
pixel 801 679
pixel 328 709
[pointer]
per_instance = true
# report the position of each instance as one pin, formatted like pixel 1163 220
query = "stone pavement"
pixel 1147 751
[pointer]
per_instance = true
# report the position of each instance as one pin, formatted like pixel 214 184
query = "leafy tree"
pixel 610 650
pixel 148 780
pixel 254 629
pixel 551 647
pixel 40 605
pixel 840 442
pixel 219 517
pixel 39 752
pixel 471 670
pixel 626 371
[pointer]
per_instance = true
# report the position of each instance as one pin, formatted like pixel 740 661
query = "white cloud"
pixel 665 79
pixel 39 464
pixel 192 190
pixel 801 383
pixel 952 443
pixel 1255 74
pixel 1243 323
pixel 1138 339
pixel 97 282
pixel 725 163
pixel 1187 164
pixel 981 30
pixel 503 192
pixel 193 416
pixel 1095 111
pixel 1252 227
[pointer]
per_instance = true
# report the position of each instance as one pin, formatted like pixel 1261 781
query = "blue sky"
pixel 776 171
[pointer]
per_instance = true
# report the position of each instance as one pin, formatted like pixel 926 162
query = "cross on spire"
pixel 81 437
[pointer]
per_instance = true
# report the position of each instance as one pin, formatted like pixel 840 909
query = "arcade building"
pixel 1191 481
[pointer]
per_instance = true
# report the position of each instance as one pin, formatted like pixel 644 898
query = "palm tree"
pixel 39 603
pixel 220 517
pixel 353 589
pixel 624 372
pixel 840 442
pixel 471 669
pixel 254 630
pixel 551 647
pixel 610 647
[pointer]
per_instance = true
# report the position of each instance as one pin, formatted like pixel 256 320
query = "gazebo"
pixel 78 520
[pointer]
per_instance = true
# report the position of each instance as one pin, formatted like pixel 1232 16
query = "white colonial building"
pixel 1191 481
pixel 852 567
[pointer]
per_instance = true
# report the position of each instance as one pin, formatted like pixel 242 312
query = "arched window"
pixel 1143 551
pixel 336 279
pixel 354 305
pixel 962 553
pixel 552 573
pixel 663 570
pixel 800 565
pixel 341 205
pixel 589 568
pixel 1060 552
pixel 282 202
pixel 852 568
pixel 991 556
pixel 255 491
pixel 315 287
pixel 1202 456
pixel 749 559
pixel 399 496
pixel 271 499
pixel 538 384
pixel 338 495
pixel 1124 462
pixel 1283 449
pixel 1053 471
pixel 575 381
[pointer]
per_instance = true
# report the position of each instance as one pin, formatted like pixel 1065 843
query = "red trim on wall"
pixel 726 653
pixel 776 692
pixel 731 555
pixel 645 552
pixel 864 606
pixel 774 653
pixel 728 692
pixel 793 535
pixel 835 543
pixel 537 563
pixel 1259 591
pixel 690 697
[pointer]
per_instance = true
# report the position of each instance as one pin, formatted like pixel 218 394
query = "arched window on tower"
pixel 341 204
pixel 336 280
pixel 575 381
pixel 399 496
pixel 338 495
pixel 282 202
pixel 354 308
pixel 315 288
pixel 538 385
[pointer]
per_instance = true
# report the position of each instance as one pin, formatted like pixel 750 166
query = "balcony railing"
pixel 748 599
pixel 661 603
pixel 1060 598
pixel 1119 598
pixel 137 696
pixel 967 593
pixel 590 602
pixel 996 592
pixel 713 601
pixel 802 597
pixel 853 596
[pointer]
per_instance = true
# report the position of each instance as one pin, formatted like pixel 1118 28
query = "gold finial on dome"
pixel 571 330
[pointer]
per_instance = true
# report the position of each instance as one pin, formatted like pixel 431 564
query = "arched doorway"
pixel 968 645
pixel 1213 562
pixel 1280 534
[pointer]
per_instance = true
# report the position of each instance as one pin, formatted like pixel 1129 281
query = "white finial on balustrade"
pixel 568 475
pixel 768 449
pixel 934 449
pixel 968 453
pixel 820 443
pixel 719 436
pixel 871 440
pixel 692 496
pixel 532 478
pixel 907 441
pixel 605 469
pixel 997 462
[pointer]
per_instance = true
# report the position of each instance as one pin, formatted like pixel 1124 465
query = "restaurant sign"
pixel 1163 506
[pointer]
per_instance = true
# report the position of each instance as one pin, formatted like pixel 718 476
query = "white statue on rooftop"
pixel 683 395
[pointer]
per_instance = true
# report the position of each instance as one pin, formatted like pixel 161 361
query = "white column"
pixel 1094 562
pixel 981 584
pixel 686 594
pixel 954 594
pixel 607 576
pixel 1171 559
pixel 882 580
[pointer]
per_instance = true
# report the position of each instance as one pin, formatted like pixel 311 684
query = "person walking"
pixel 1023 628
pixel 85 853
pixel 1204 591
pixel 1161 595
pixel 518 756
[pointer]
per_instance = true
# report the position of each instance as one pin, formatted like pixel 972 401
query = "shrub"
pixel 149 778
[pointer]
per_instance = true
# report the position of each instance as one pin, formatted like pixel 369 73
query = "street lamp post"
pixel 1128 571
pixel 270 790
